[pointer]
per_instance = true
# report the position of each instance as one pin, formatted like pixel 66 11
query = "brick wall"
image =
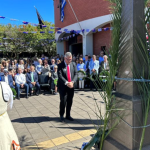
pixel 102 38
pixel 84 9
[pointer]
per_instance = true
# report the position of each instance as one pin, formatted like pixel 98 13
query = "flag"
pixel 25 32
pixel 2 17
pixel 106 29
pixel 94 30
pixel 58 28
pixel 67 31
pixel 36 25
pixel 42 32
pixel 44 26
pixel 62 10
pixel 13 19
pixel 78 31
pixel 24 22
pixel 100 29
pixel 59 32
pixel 87 30
pixel 39 19
pixel 50 32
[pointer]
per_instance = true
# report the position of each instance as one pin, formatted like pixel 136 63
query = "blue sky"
pixel 24 10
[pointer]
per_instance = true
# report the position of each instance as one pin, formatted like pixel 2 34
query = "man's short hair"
pixel 19 68
pixel 94 56
pixel 86 55
pixel 105 56
pixel 55 66
pixel 5 71
pixel 68 54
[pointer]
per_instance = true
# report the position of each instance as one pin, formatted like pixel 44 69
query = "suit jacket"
pixel 94 65
pixel 102 66
pixel 62 74
pixel 28 77
pixel 87 65
pixel 10 80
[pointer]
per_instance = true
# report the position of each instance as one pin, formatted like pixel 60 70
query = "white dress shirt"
pixel 20 78
pixel 6 79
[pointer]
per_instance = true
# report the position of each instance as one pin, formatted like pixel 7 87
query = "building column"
pixel 88 44
pixel 60 48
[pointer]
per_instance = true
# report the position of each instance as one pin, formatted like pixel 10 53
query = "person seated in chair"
pixel 7 78
pixel 20 81
pixel 32 80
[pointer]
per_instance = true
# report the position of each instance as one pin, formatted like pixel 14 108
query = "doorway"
pixel 76 49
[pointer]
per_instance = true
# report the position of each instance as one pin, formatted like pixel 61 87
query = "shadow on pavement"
pixel 56 119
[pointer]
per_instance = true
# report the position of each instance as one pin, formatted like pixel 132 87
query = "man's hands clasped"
pixel 70 85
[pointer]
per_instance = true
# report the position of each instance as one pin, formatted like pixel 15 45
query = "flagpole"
pixel 75 15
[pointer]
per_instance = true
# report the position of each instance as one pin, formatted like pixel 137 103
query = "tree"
pixel 27 38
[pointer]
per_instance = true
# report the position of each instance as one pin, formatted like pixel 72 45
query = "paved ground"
pixel 36 121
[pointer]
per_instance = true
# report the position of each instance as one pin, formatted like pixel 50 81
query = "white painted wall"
pixel 88 44
pixel 88 36
pixel 60 48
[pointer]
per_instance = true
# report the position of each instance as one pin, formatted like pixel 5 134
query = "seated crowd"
pixel 25 72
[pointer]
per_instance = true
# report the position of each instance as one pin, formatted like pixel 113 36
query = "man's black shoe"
pixel 37 93
pixel 27 97
pixel 18 98
pixel 70 118
pixel 62 119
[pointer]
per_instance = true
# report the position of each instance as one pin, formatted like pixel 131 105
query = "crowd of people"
pixel 24 73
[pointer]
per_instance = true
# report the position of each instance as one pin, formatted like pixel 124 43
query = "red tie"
pixel 68 74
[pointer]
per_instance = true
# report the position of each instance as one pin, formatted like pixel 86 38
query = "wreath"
pixel 80 71
pixel 103 76
pixel 14 93
pixel 55 81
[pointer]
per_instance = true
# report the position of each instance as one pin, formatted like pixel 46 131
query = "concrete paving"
pixel 36 121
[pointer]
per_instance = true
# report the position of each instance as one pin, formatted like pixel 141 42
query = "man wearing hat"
pixel 7 78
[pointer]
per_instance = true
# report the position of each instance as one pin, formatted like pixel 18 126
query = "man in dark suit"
pixel 7 78
pixel 32 80
pixel 86 62
pixel 67 76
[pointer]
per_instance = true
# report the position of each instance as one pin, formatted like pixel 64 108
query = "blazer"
pixel 94 65
pixel 10 80
pixel 28 77
pixel 102 66
pixel 62 74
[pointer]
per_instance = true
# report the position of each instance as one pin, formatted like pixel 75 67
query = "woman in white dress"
pixel 8 137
